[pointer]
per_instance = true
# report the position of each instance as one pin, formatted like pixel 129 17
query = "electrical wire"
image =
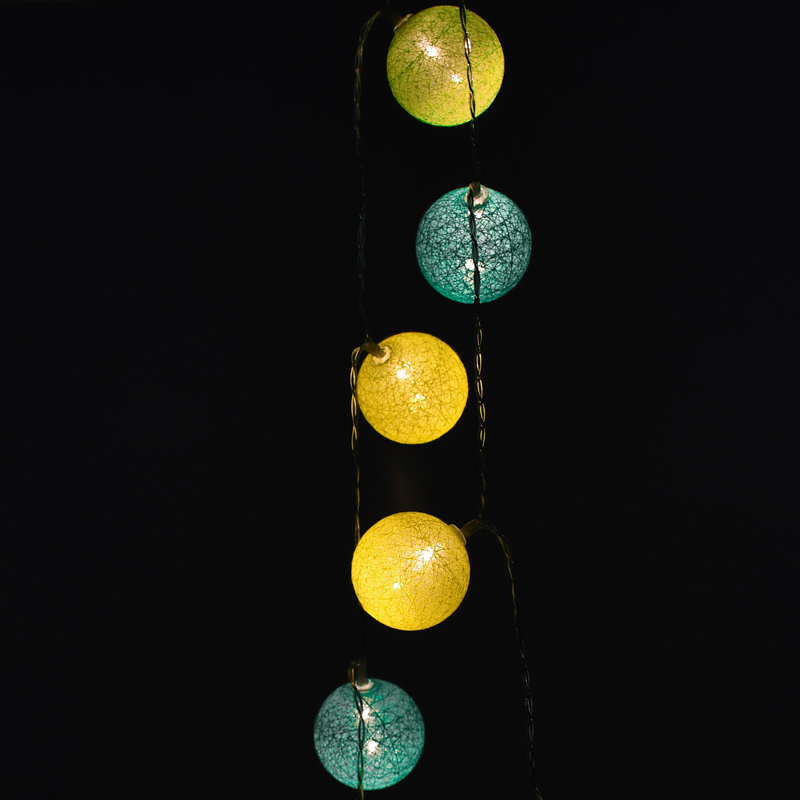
pixel 354 417
pixel 476 167
pixel 359 701
pixel 355 357
pixel 362 214
pixel 472 193
pixel 358 353
pixel 526 675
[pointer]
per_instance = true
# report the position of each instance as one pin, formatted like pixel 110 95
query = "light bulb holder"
pixel 397 20
pixel 357 675
pixel 458 530
pixel 470 528
pixel 480 194
pixel 380 354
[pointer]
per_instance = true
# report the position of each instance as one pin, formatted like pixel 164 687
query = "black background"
pixel 179 205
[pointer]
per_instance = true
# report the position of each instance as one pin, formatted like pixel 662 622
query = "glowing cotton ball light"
pixel 393 734
pixel 427 65
pixel 444 245
pixel 416 391
pixel 410 570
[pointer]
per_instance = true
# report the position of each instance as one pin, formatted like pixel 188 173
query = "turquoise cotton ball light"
pixel 393 734
pixel 444 245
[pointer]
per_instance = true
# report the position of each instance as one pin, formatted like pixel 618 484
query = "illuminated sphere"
pixel 444 245
pixel 416 392
pixel 427 65
pixel 411 570
pixel 393 735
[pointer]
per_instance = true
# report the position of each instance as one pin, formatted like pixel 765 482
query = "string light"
pixel 427 69
pixel 415 390
pixel 444 245
pixel 411 570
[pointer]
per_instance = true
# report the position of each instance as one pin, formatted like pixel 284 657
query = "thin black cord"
pixel 362 214
pixel 357 354
pixel 354 416
pixel 476 167
pixel 478 358
pixel 356 357
pixel 472 193
pixel 359 700
pixel 526 675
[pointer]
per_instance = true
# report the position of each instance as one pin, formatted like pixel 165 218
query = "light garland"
pixel 410 570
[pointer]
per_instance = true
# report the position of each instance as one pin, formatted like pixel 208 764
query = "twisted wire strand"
pixel 360 734
pixel 362 214
pixel 478 359
pixel 476 176
pixel 526 675
pixel 473 191
pixel 361 350
pixel 355 358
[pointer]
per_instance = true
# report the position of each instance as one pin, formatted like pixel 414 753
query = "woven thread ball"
pixel 410 570
pixel 427 65
pixel 393 735
pixel 416 392
pixel 444 245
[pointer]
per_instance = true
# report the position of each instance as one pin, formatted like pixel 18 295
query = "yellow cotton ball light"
pixel 427 65
pixel 410 571
pixel 416 391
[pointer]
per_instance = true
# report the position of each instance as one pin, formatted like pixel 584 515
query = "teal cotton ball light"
pixel 444 245
pixel 393 734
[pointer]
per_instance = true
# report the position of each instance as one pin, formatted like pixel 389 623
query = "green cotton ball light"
pixel 444 245
pixel 427 65
pixel 393 734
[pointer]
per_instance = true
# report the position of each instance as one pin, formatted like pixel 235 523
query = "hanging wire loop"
pixel 360 736
pixel 526 674
pixel 355 360
pixel 473 193
pixel 476 169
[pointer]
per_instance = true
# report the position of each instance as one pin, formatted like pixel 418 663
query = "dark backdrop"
pixel 179 206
